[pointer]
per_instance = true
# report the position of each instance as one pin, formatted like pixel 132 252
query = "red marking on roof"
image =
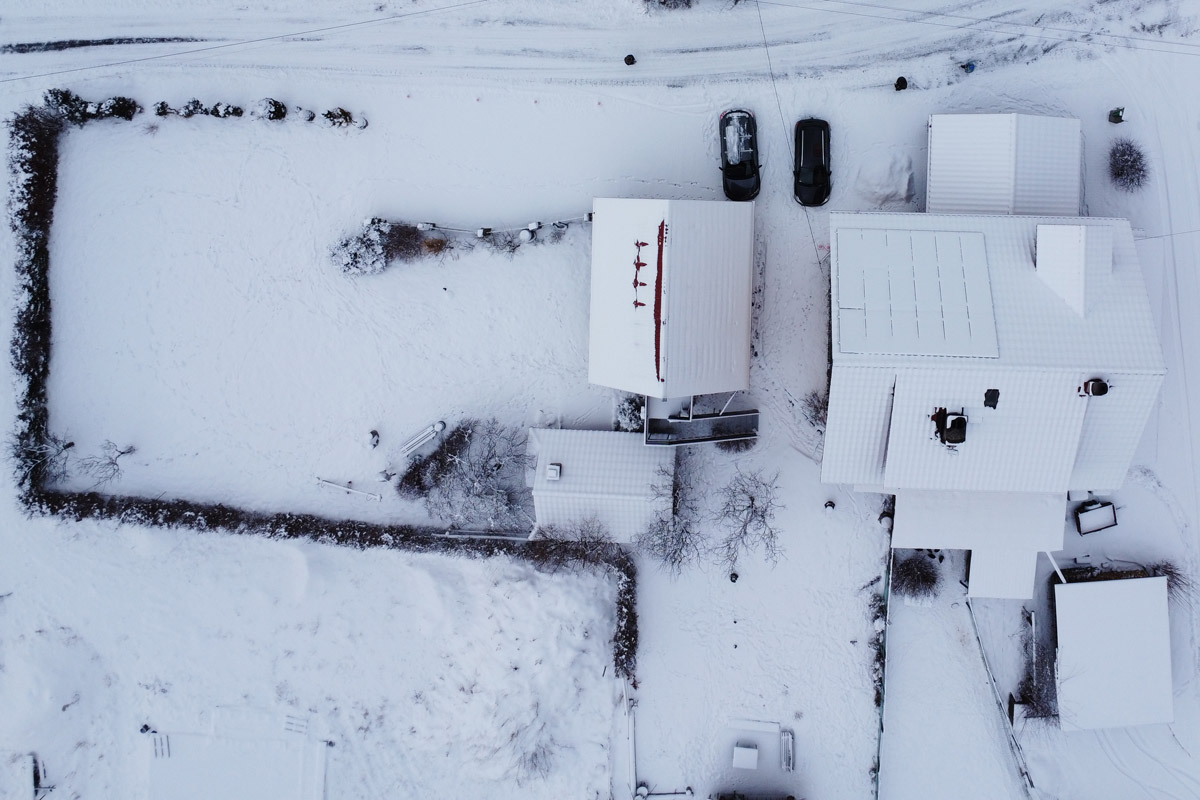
pixel 658 292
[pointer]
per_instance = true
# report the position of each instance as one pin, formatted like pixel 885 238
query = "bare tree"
pixel 484 483
pixel 748 506
pixel 106 467
pixel 675 539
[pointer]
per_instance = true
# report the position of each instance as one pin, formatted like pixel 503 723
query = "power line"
pixel 210 48
pixel 1165 235
pixel 974 21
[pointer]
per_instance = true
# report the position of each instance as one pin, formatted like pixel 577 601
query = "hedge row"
pixel 35 133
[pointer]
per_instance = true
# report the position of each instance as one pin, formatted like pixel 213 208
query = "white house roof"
pixel 1114 653
pixel 670 296
pixel 1000 573
pixel 1026 521
pixel 1018 339
pixel 605 475
pixel 1004 164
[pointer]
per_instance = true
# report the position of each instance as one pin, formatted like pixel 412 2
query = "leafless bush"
pixel 675 539
pixel 627 414
pixel 1180 585
pixel 747 510
pixel 588 537
pixel 48 458
pixel 504 243
pixel 915 576
pixel 1127 165
pixel 816 409
pixel 484 483
pixel 378 243
pixel 106 467
pixel 736 445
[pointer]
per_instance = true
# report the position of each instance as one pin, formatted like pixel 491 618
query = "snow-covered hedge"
pixel 378 243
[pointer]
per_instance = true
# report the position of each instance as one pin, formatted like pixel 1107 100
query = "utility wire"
pixel 226 45
pixel 988 30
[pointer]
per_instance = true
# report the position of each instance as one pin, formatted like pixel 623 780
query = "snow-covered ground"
pixel 198 318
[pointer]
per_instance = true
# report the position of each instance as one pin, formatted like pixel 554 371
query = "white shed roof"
pixel 670 302
pixel 1004 164
pixel 605 475
pixel 1114 653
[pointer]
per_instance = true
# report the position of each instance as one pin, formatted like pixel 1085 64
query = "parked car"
pixel 739 155
pixel 812 173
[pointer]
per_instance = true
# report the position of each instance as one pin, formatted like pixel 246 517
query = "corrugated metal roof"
pixel 914 293
pixel 860 407
pixel 1114 654
pixel 606 475
pixel 1004 164
pixel 670 303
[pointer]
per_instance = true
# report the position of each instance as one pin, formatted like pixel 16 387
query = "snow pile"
pixel 885 181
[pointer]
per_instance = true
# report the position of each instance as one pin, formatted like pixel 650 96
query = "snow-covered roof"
pixel 1026 521
pixel 1004 164
pixel 238 762
pixel 670 301
pixel 1001 573
pixel 605 475
pixel 937 311
pixel 1114 653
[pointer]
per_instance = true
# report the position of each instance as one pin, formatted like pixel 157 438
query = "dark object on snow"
pixel 811 175
pixel 630 60
pixel 968 67
pixel 739 155
pixel 144 729
pixel 1117 115
pixel 1127 165
pixel 374 439
pixel 901 83
pixel 830 505
pixel 733 576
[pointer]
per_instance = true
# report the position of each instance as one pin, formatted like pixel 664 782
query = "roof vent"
pixel 553 472
pixel 1095 387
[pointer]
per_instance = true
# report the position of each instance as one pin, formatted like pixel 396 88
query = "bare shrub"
pixel 426 472
pixel 736 445
pixel 1127 165
pixel 816 409
pixel 747 511
pixel 627 413
pixel 877 644
pixel 1180 585
pixel 675 539
pixel 48 460
pixel 106 467
pixel 437 245
pixel 484 483
pixel 338 117
pixel 915 576
pixel 505 243
pixel 378 243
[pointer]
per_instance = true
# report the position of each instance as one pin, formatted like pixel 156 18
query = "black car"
pixel 812 162
pixel 739 155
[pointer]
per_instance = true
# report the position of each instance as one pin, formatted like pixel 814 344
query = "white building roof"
pixel 1004 164
pixel 1016 334
pixel 1000 573
pixel 1114 653
pixel 605 475
pixel 1025 521
pixel 670 298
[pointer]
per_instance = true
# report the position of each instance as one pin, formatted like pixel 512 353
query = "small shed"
pixel 1004 164
pixel 670 300
pixel 607 476
pixel 1114 653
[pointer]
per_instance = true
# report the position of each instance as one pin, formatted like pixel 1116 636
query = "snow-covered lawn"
pixel 432 676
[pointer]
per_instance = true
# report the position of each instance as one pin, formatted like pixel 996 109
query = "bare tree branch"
pixel 748 506
pixel 106 467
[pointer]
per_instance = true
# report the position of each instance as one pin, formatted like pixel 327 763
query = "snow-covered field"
pixel 197 317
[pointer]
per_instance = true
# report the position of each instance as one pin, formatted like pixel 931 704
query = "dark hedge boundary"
pixel 35 133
